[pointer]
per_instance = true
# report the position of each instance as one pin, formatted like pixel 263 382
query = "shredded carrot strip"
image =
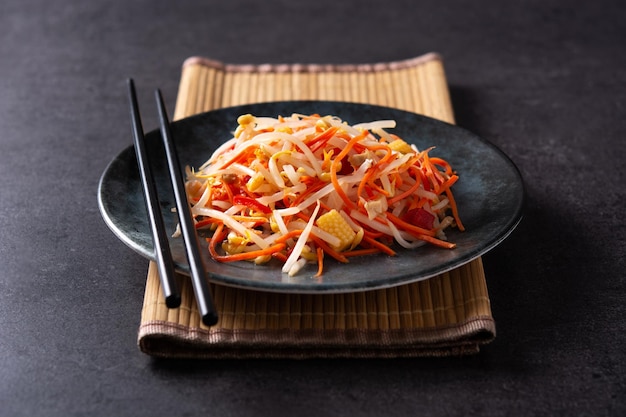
pixel 442 163
pixel 455 211
pixel 320 262
pixel 237 158
pixel 376 187
pixel 244 256
pixel 448 183
pixel 280 256
pixel 437 242
pixel 414 230
pixel 321 139
pixel 374 170
pixel 290 235
pixel 229 191
pixel 360 252
pixel 432 172
pixel 338 256
pixel 206 222
pixel 218 235
pixel 333 169
pixel 421 202
pixel 240 256
pixel 418 232
pixel 374 234
pixel 380 246
pixel 408 192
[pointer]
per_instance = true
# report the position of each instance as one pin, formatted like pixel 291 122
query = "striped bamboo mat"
pixel 446 315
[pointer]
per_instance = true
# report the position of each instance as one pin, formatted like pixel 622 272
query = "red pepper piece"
pixel 241 200
pixel 420 217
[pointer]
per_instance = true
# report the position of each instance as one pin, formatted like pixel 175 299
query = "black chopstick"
pixel 196 264
pixel 162 250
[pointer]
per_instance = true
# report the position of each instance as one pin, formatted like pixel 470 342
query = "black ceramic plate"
pixel 489 195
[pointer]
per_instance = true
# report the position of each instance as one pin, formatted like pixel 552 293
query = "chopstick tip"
pixel 210 319
pixel 173 301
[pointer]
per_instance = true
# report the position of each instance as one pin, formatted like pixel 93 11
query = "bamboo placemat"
pixel 446 315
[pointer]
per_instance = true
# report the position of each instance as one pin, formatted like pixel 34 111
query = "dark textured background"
pixel 544 80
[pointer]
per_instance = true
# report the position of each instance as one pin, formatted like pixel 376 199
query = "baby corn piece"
pixel 333 223
pixel 400 146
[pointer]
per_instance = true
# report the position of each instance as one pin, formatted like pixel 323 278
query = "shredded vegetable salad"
pixel 304 187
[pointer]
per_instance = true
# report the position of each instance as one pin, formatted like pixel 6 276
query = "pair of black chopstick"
pixel 161 245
